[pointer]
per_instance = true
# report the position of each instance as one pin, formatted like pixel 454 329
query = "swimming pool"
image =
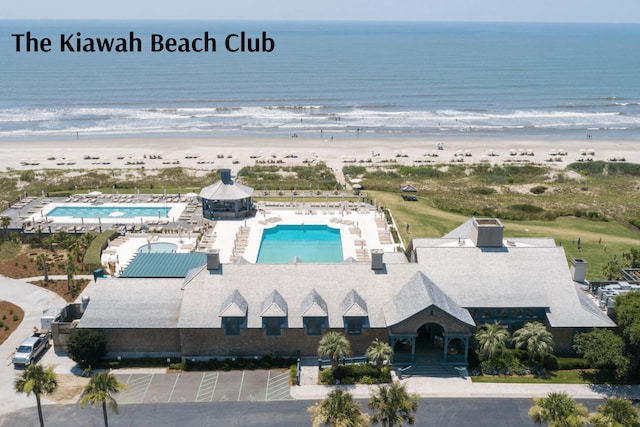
pixel 158 247
pixel 310 243
pixel 107 211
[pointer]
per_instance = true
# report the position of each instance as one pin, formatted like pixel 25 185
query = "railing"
pixel 343 361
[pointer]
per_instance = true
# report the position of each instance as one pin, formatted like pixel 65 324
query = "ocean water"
pixel 423 80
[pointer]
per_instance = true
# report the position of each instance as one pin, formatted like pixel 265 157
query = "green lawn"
pixel 600 240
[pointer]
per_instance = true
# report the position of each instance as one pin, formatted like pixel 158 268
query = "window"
pixel 486 313
pixel 272 325
pixel 503 312
pixel 314 325
pixel 354 325
pixel 232 325
pixel 517 313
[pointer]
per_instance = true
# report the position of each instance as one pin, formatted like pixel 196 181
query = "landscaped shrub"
pixel 326 377
pixel 358 373
pixel 505 364
pixel 538 189
pixel 567 363
pixel 86 347
pixel 92 256
pixel 483 191
pixel 550 362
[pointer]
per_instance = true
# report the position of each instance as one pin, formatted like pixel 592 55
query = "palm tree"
pixel 5 221
pixel 99 390
pixel 616 412
pixel 43 262
pixel 558 410
pixel 335 346
pixel 338 410
pixel 37 380
pixel 492 339
pixel 535 337
pixel 71 269
pixel 379 352
pixel 393 405
pixel 612 269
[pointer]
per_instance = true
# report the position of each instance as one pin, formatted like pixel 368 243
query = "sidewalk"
pixel 464 388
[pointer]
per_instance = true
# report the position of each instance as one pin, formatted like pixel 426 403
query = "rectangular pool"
pixel 309 243
pixel 107 211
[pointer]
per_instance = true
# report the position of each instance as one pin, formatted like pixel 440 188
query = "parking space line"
pixel 278 387
pixel 240 387
pixel 208 384
pixel 138 388
pixel 173 388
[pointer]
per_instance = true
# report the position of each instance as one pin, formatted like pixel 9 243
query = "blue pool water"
pixel 109 211
pixel 158 247
pixel 310 243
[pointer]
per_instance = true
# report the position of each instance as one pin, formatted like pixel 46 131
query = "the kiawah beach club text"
pixel 78 43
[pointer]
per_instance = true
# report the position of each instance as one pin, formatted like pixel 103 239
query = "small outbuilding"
pixel 226 198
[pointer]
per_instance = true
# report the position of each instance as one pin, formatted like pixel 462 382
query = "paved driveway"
pixel 249 386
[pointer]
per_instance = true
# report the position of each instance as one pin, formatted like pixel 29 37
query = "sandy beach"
pixel 213 152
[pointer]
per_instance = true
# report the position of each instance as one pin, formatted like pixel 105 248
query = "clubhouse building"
pixel 432 296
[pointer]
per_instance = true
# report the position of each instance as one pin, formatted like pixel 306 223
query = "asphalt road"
pixel 292 413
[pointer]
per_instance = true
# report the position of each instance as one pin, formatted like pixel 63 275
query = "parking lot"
pixel 249 386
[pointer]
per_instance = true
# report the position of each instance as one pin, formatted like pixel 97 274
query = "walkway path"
pixel 33 300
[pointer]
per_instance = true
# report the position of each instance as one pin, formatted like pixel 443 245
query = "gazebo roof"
pixel 226 189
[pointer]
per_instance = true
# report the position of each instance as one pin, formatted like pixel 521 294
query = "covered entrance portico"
pixel 431 343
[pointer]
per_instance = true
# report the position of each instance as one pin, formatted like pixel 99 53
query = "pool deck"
pixel 361 227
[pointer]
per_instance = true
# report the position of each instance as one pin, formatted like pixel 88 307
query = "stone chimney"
pixel 225 176
pixel 213 259
pixel 377 263
pixel 578 269
pixel 487 232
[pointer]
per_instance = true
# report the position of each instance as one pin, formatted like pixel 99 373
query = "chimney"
pixel 225 176
pixel 213 259
pixel 487 232
pixel 578 269
pixel 377 262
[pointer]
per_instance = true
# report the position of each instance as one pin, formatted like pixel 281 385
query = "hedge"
pixel 94 251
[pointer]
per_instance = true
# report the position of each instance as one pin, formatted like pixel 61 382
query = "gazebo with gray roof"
pixel 226 198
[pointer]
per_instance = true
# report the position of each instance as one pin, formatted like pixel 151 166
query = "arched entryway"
pixel 430 343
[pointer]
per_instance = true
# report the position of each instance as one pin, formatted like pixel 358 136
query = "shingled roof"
pixel 420 293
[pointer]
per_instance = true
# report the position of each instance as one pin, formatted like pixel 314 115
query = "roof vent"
pixel 578 269
pixel 225 176
pixel 213 259
pixel 377 263
pixel 487 232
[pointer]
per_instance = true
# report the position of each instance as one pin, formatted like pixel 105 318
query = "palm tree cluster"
pixel 39 380
pixel 391 405
pixel 492 340
pixel 560 410
pixel 336 346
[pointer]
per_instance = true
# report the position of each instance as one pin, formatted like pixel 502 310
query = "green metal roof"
pixel 164 264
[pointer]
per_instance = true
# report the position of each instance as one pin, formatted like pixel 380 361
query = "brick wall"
pixel 255 342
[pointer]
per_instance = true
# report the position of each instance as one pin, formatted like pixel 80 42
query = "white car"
pixel 30 349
